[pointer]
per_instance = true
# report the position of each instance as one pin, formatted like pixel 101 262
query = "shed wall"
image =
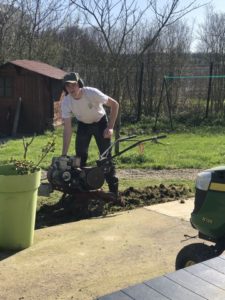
pixel 37 106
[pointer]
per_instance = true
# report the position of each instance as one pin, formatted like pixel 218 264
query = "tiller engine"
pixel 66 175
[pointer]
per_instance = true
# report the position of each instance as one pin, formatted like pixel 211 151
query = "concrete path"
pixel 90 258
pixel 178 209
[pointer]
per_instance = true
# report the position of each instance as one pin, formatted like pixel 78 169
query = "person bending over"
pixel 86 104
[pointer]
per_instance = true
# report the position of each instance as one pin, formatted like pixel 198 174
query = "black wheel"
pixel 193 254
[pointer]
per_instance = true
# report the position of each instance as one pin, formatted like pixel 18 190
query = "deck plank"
pixel 216 263
pixel 222 256
pixel 115 296
pixel 208 274
pixel 205 280
pixel 143 291
pixel 197 285
pixel 171 289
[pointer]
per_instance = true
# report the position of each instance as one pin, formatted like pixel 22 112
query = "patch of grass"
pixel 134 159
pixel 13 149
pixel 179 150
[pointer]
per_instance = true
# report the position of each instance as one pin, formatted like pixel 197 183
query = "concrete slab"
pixel 90 258
pixel 178 209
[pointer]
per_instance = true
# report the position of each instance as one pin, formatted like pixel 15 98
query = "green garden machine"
pixel 208 217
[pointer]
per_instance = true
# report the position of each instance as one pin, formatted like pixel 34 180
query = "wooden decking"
pixel 201 281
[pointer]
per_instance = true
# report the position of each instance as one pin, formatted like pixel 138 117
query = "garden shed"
pixel 30 95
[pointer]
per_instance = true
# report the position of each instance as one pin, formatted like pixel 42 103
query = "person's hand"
pixel 108 132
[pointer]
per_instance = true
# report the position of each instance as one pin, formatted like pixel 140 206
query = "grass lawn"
pixel 179 150
pixel 200 149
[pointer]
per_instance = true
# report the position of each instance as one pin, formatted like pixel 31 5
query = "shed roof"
pixel 40 68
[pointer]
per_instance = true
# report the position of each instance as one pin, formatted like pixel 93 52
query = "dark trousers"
pixel 83 138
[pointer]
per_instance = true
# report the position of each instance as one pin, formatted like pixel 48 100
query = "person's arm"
pixel 114 108
pixel 67 133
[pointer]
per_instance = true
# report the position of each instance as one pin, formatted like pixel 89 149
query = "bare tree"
pixel 43 16
pixel 212 33
pixel 168 56
pixel 8 23
pixel 28 28
pixel 117 20
pixel 212 44
pixel 167 15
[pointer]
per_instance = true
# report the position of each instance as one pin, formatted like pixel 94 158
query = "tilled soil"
pixel 93 204
pixel 98 203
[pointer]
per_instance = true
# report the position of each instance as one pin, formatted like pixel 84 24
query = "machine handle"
pixel 122 139
pixel 155 138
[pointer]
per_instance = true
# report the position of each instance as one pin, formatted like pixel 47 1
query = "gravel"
pixel 189 174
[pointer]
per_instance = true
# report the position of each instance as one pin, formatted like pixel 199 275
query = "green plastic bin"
pixel 18 201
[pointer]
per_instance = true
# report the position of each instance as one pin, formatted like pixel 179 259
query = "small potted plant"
pixel 19 182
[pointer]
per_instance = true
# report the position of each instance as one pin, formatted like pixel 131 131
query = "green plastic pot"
pixel 18 202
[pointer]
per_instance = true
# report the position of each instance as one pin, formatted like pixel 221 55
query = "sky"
pixel 197 16
pixel 194 18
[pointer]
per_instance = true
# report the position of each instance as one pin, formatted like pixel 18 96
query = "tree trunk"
pixel 139 107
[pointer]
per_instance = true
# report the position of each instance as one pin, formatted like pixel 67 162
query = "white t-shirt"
pixel 88 109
